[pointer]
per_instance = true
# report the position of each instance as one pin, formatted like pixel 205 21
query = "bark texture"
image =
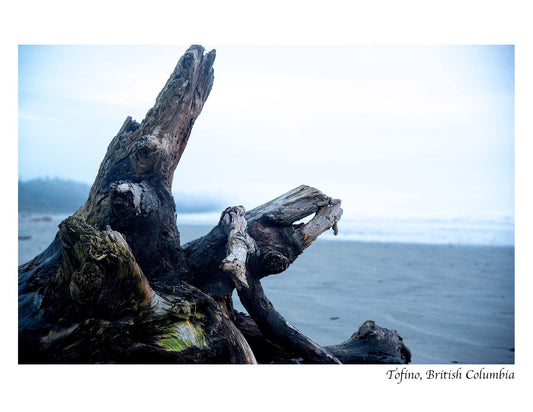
pixel 116 285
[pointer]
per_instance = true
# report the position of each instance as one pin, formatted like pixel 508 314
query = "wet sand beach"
pixel 451 304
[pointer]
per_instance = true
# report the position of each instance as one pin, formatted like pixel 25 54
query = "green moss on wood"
pixel 181 336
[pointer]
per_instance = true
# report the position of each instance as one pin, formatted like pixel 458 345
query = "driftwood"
pixel 116 285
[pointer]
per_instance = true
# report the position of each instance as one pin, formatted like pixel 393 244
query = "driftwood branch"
pixel 239 245
pixel 132 191
pixel 277 329
pixel 371 344
pixel 241 248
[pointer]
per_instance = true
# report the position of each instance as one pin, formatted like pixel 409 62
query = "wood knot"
pixel 274 262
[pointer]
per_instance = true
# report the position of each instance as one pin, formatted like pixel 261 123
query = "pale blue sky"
pixel 391 130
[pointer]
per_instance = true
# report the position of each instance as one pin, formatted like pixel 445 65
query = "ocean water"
pixel 489 230
pixel 496 230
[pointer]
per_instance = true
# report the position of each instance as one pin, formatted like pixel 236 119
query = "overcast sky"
pixel 389 130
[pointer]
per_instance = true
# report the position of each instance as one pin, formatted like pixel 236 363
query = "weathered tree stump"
pixel 116 285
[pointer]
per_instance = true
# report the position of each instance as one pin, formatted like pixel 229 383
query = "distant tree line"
pixel 45 195
pixel 51 195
